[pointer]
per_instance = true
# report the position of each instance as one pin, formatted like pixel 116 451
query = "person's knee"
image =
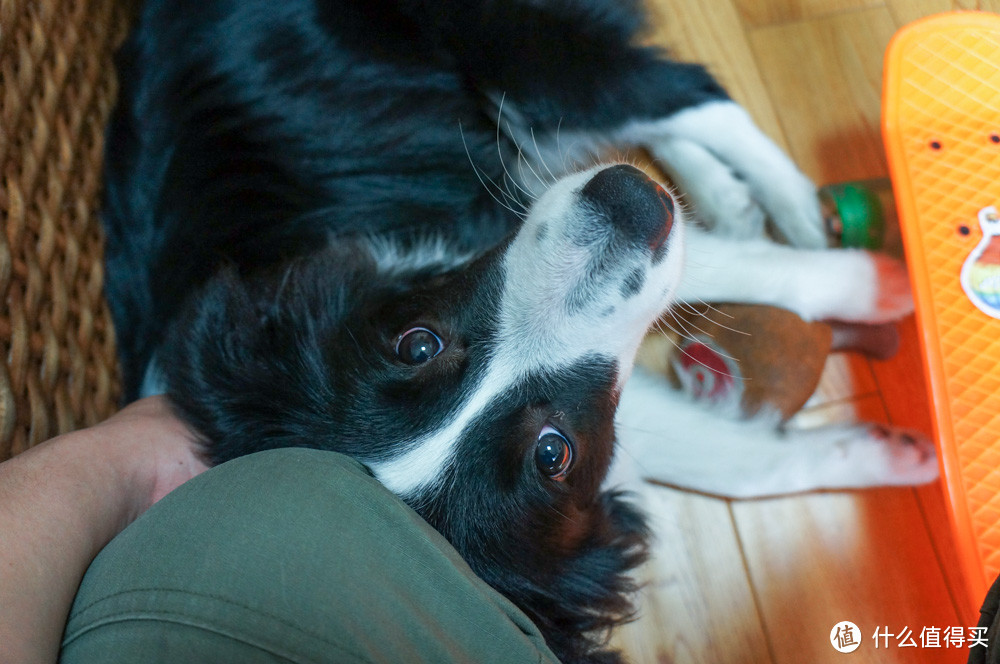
pixel 299 555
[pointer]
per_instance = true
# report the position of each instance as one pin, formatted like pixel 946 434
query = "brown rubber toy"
pixel 753 355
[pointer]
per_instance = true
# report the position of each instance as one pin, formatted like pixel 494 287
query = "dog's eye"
pixel 418 345
pixel 553 453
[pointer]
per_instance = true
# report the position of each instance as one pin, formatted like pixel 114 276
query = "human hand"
pixel 160 450
pixel 63 500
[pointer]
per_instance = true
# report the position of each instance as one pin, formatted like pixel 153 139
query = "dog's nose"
pixel 633 203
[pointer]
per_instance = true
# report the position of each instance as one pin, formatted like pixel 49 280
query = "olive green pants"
pixel 289 555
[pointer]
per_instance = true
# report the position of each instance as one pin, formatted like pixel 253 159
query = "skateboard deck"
pixel 941 126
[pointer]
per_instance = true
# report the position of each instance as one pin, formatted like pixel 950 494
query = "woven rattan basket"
pixel 56 88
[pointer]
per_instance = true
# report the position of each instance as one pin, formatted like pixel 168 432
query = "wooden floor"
pixel 767 580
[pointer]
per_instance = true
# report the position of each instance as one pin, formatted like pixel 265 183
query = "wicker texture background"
pixel 56 88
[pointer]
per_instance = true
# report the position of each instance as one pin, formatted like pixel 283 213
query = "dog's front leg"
pixel 839 284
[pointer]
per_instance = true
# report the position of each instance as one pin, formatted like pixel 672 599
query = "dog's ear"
pixel 247 364
pixel 590 591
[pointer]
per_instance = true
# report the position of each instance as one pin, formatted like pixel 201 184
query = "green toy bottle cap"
pixel 854 213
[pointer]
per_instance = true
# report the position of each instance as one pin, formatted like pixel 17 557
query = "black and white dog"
pixel 372 226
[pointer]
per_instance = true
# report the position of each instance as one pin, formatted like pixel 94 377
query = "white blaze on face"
pixel 554 311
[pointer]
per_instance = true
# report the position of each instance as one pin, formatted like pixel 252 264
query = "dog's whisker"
pixel 727 327
pixel 712 369
pixel 683 333
pixel 685 322
pixel 688 307
pixel 710 336
pixel 507 194
pixel 559 151
pixel 513 203
pixel 556 510
pixel 694 311
pixel 522 161
pixel 510 200
pixel 541 159
pixel 664 328
pixel 566 155
pixel 706 304
pixel 717 323
pixel 521 214
pixel 503 164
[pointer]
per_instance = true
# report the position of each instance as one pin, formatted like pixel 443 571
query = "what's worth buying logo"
pixel 845 636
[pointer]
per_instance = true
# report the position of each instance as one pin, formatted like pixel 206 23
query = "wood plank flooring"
pixel 766 580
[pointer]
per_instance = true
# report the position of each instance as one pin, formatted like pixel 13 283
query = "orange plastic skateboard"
pixel 941 125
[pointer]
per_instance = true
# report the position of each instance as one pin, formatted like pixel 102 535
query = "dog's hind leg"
pixel 840 284
pixel 665 437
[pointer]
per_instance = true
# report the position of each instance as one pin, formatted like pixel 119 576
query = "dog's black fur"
pixel 257 147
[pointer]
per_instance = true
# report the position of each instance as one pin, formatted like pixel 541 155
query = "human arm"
pixel 63 500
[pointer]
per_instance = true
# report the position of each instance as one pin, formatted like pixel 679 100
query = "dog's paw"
pixel 736 213
pixel 901 456
pixel 792 203
pixel 849 285
pixel 724 204
pixel 735 175
pixel 893 298
pixel 875 455
pixel 716 197
pixel 873 288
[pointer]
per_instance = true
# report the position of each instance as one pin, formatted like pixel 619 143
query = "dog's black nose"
pixel 633 203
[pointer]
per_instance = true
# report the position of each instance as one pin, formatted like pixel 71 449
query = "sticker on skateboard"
pixel 981 271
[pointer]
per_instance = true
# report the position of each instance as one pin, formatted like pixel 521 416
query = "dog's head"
pixel 483 393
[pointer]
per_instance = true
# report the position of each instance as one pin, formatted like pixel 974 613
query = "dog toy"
pixel 855 213
pixel 941 125
pixel 737 354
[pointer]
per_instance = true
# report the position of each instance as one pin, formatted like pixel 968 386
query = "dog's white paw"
pixel 715 196
pixel 727 206
pixel 884 455
pixel 791 201
pixel 740 209
pixel 848 285
pixel 877 291
pixel 893 298
pixel 724 133
pixel 874 455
